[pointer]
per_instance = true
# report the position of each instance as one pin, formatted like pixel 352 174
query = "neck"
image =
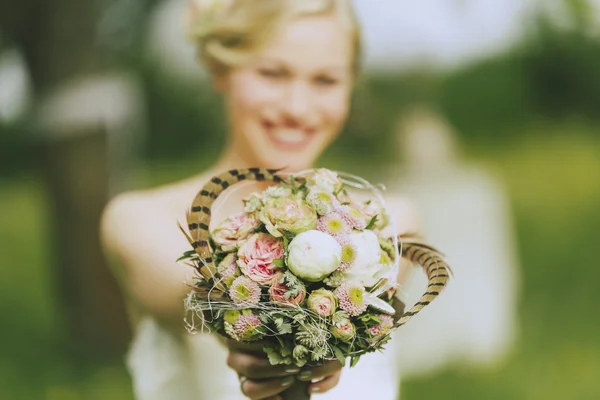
pixel 232 159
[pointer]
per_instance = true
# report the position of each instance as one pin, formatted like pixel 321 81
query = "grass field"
pixel 554 184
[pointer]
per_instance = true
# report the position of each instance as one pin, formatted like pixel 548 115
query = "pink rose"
pixel 256 255
pixel 231 232
pixel 278 290
pixel 322 302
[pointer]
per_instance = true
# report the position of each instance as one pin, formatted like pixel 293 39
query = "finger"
pixel 320 371
pixel 326 384
pixel 266 388
pixel 258 367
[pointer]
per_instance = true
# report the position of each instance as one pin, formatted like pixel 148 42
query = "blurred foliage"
pixel 553 176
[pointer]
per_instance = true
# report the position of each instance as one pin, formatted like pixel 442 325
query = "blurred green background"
pixel 530 114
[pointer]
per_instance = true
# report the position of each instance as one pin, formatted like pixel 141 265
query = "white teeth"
pixel 291 136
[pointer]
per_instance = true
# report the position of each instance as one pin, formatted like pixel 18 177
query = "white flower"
pixel 371 209
pixel 324 180
pixel 312 255
pixel 252 203
pixel 207 6
pixel 202 13
pixel 322 202
pixel 365 268
pixel 278 191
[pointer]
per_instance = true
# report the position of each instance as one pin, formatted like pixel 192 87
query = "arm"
pixel 142 245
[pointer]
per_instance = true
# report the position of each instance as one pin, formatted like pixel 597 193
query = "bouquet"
pixel 307 269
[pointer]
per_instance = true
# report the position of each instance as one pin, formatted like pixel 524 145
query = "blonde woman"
pixel 286 70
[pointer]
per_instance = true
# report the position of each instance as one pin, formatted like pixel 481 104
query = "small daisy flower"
pixel 349 252
pixel 245 328
pixel 351 299
pixel 353 217
pixel 382 328
pixel 244 291
pixel 228 269
pixel 333 224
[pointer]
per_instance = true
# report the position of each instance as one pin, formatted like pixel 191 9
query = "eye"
pixel 324 80
pixel 272 73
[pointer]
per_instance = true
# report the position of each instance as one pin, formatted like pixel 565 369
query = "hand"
pixel 262 381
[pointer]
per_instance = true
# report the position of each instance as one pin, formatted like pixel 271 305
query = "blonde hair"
pixel 227 32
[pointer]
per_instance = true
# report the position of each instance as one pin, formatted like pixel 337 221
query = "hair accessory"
pixel 202 12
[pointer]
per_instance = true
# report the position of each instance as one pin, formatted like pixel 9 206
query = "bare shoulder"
pixel 142 240
pixel 131 216
pixel 123 215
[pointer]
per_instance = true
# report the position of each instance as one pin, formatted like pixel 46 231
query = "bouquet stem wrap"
pixel 213 289
pixel 298 391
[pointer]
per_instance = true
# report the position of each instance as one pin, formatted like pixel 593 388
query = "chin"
pixel 293 153
pixel 288 163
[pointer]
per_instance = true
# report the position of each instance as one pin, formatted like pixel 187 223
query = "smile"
pixel 288 137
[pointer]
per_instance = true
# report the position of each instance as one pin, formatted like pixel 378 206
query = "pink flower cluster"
pixel 351 299
pixel 245 327
pixel 256 257
pixel 383 327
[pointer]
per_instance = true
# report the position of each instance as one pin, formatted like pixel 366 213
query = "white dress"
pixel 163 366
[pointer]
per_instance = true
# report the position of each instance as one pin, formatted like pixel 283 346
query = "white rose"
pixel 312 255
pixel 366 268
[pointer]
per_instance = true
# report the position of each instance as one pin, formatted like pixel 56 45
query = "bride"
pixel 285 69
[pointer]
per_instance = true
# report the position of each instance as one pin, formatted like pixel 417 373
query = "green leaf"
pixel 366 317
pixel 261 330
pixel 275 357
pixel 372 223
pixel 264 318
pixel 280 340
pixel 340 355
pixel 187 254
pixel 286 242
pixel 285 328
pixel 279 262
pixel 302 186
pixel 354 360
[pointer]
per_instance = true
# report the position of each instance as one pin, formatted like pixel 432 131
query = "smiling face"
pixel 291 99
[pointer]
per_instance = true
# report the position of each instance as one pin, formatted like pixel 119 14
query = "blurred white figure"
pixel 466 214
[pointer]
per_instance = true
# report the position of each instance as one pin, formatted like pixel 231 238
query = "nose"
pixel 297 104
